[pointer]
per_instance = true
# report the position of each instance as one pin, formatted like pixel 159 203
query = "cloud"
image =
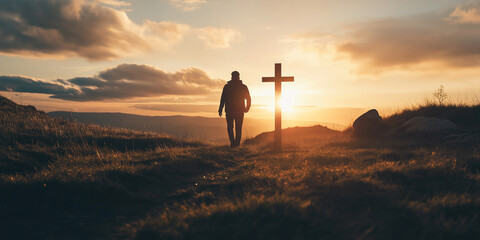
pixel 85 82
pixel 404 43
pixel 219 37
pixel 121 82
pixel 180 108
pixel 187 5
pixel 171 32
pixel 460 15
pixel 85 28
pixel 116 3
pixel 28 85
pixel 421 42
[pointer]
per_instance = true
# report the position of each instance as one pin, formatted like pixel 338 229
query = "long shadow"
pixel 94 209
pixel 347 210
pixel 260 221
pixel 365 209
pixel 344 209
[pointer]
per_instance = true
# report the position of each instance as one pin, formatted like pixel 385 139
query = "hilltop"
pixel 31 138
pixel 295 134
pixel 83 181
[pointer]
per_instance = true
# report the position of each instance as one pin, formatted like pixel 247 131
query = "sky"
pixel 172 57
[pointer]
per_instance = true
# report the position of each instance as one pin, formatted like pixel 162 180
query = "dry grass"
pixel 336 190
pixel 466 116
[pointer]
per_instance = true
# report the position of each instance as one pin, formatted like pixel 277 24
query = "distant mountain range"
pixel 201 128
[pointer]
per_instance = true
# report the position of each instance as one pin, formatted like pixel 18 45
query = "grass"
pixel 466 116
pixel 100 183
pixel 333 192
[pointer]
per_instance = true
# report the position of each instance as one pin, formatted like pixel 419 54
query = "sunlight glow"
pixel 287 102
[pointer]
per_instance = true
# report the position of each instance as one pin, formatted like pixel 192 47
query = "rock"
pixel 369 124
pixel 425 125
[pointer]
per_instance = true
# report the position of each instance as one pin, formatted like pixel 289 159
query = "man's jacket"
pixel 233 97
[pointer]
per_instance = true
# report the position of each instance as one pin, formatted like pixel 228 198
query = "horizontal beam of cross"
pixel 274 79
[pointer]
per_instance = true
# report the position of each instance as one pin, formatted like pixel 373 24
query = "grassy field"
pixel 64 180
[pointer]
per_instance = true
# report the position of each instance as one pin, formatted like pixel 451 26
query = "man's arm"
pixel 249 100
pixel 222 103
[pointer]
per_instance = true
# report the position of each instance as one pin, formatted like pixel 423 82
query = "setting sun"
pixel 287 102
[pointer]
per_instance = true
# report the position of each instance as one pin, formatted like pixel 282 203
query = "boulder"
pixel 369 124
pixel 428 125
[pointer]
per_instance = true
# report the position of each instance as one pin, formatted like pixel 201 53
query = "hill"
pixel 81 181
pixel 211 129
pixel 295 134
pixel 200 128
pixel 29 133
pixel 59 177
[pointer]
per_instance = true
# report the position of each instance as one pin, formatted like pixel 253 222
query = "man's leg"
pixel 229 118
pixel 238 128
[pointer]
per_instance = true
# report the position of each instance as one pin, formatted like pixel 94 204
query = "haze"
pixel 172 57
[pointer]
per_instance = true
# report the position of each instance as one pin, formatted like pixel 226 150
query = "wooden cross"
pixel 278 79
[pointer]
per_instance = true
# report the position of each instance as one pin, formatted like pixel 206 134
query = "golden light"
pixel 287 102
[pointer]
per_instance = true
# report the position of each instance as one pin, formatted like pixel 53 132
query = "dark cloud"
pixel 23 84
pixel 405 42
pixel 61 81
pixel 121 82
pixel 59 28
pixel 87 82
pixel 180 108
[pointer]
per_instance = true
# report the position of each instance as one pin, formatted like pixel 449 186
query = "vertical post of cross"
pixel 278 108
pixel 278 79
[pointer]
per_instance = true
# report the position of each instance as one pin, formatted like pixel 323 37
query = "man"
pixel 233 97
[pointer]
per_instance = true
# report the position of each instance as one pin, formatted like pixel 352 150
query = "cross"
pixel 278 79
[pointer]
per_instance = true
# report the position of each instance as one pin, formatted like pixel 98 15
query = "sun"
pixel 286 102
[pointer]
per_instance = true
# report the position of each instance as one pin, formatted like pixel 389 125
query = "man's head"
pixel 235 75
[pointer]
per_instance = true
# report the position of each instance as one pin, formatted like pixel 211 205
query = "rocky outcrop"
pixel 369 124
pixel 427 125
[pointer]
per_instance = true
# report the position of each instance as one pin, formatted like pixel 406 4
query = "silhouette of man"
pixel 233 97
